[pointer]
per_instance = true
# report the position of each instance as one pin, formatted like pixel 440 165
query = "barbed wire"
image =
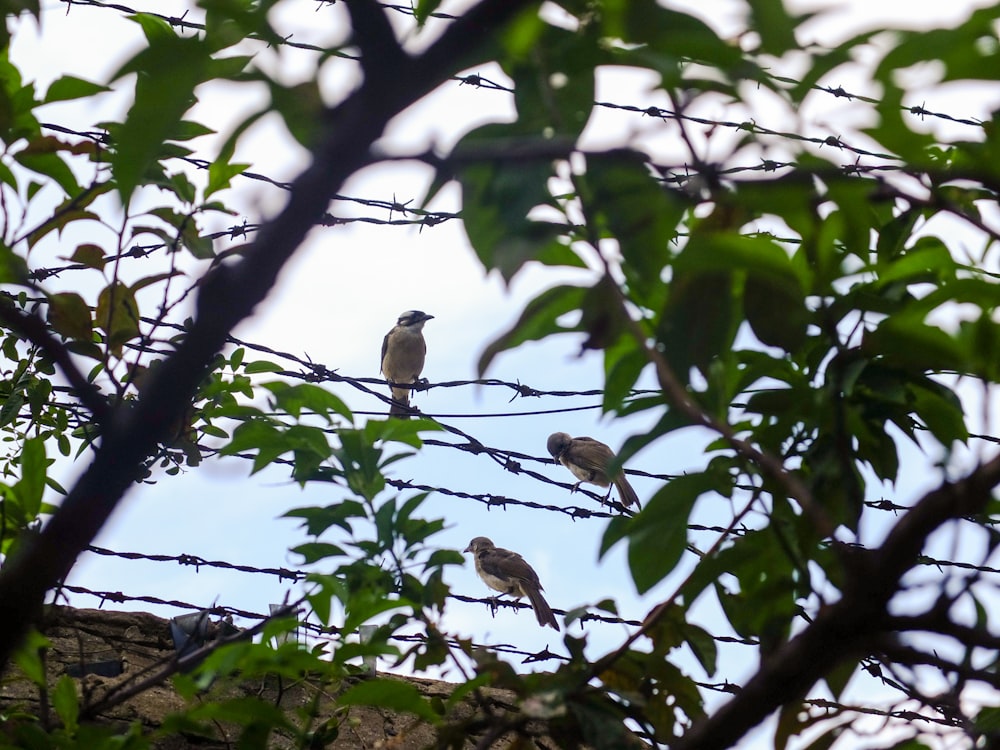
pixel 413 216
pixel 510 460
pixel 197 562
pixel 315 629
pixel 321 632
pixel 181 22
pixel 492 603
pixel 476 80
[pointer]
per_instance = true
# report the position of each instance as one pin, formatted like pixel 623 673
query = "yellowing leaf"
pixel 117 315
pixel 70 316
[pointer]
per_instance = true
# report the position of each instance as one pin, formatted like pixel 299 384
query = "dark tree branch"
pixel 850 627
pixel 914 657
pixel 381 55
pixel 227 297
pixel 935 622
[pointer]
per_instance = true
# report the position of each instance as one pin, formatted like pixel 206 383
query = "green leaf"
pixel 941 411
pixel 11 408
pixel 657 535
pixel 639 213
pixel 185 130
pixel 928 260
pixel 910 343
pixel 441 557
pixel 723 251
pixel 893 131
pixel 321 599
pixel 775 26
pixel 261 365
pixel 394 695
pixel 959 50
pixel 295 398
pixel 827 61
pixel 7 177
pixel 767 565
pixel 221 170
pixel 17 100
pixel 70 87
pixel 59 220
pixel 261 436
pixel 553 79
pixel 499 193
pixel 314 551
pixel 424 9
pixel 89 255
pixel 361 606
pixel 50 165
pixel 167 72
pixel 220 174
pixel 776 310
pixel 154 28
pixel 987 720
pixel 703 646
pixel 623 363
pixel 65 702
pixel 318 520
pixel 894 234
pixel 301 107
pixel 838 677
pixel 697 321
pixel 29 659
pixel 679 35
pixel 539 320
pixel 13 267
pixel 31 486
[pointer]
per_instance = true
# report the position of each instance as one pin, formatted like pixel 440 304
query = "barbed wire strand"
pixel 509 459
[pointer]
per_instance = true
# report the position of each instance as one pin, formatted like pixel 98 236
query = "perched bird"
pixel 589 460
pixel 403 352
pixel 507 572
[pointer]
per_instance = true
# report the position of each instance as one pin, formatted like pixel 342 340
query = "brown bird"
pixel 403 353
pixel 507 572
pixel 589 460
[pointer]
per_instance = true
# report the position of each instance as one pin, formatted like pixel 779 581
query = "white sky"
pixel 344 290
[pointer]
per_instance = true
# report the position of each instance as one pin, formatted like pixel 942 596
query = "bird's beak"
pixel 468 549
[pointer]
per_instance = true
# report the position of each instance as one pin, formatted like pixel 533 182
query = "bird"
pixel 588 460
pixel 507 572
pixel 403 353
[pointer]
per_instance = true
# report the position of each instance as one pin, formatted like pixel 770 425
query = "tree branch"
pixel 227 297
pixel 847 628
pixel 381 55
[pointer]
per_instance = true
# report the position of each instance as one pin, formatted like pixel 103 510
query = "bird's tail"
pixel 543 612
pixel 625 491
pixel 400 406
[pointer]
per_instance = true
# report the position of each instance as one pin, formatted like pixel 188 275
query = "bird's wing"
pixel 505 564
pixel 385 348
pixel 594 456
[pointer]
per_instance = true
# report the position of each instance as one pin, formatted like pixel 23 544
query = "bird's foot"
pixel 574 488
pixel 421 384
